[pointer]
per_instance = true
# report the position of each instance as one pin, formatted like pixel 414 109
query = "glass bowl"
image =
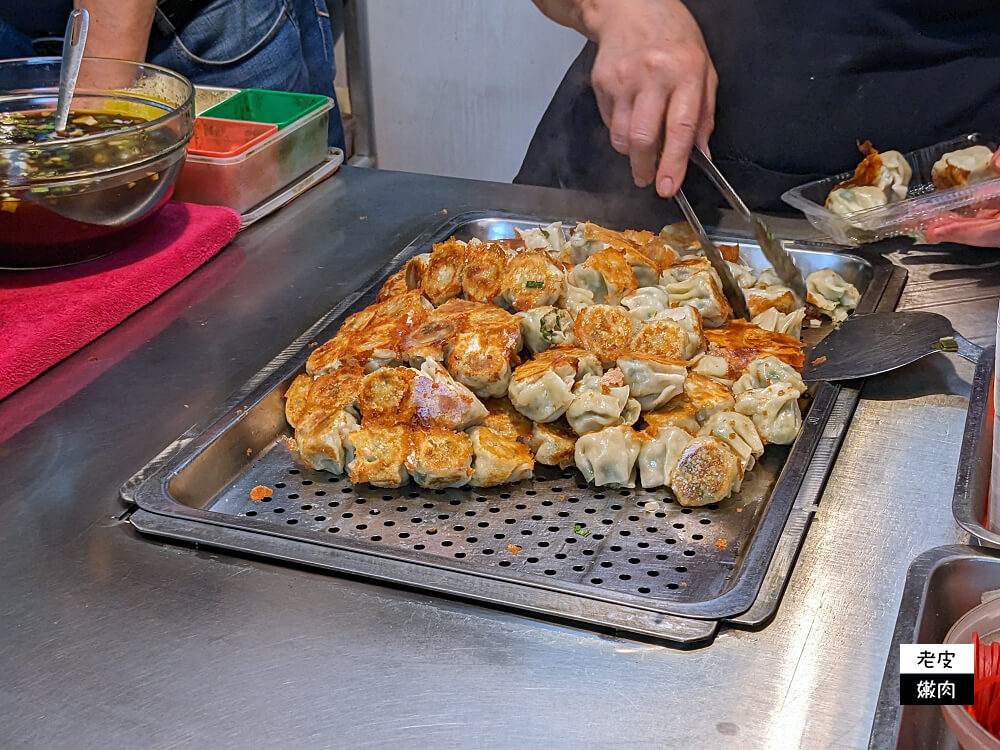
pixel 67 200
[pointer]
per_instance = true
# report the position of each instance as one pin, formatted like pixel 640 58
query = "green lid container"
pixel 279 108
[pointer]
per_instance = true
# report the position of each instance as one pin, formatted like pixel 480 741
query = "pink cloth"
pixel 47 315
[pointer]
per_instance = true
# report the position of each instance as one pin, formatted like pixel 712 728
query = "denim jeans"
pixel 285 45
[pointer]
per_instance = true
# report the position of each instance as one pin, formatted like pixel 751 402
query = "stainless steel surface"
pixel 972 480
pixel 866 345
pixel 941 586
pixel 359 80
pixel 573 540
pixel 112 639
pixel 734 295
pixel 774 251
pixel 74 43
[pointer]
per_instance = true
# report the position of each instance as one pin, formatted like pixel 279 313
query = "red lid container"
pixel 224 138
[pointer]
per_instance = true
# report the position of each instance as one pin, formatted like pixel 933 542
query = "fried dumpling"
pixel 296 399
pixel 553 443
pixel 599 402
pixel 386 396
pixel 550 239
pixel 532 279
pixel 498 459
pixel 831 294
pixel 603 329
pixel 407 278
pixel 962 167
pixel 742 274
pixel 846 201
pixel 505 420
pixel 575 298
pixel 712 367
pixel 482 274
pixel 740 343
pixel 776 296
pixel 645 304
pixel 707 472
pixel 661 449
pixel 442 277
pixel 887 172
pixel 685 269
pixel 607 275
pixel 541 388
pixel 663 338
pixel 323 439
pixel 652 380
pixel 789 324
pixel 438 400
pixel 607 458
pixel 679 412
pixel 706 395
pixel 681 238
pixel 702 292
pixel 545 327
pixel 379 455
pixel 439 458
pixel 768 393
pixel 738 432
pixel 766 371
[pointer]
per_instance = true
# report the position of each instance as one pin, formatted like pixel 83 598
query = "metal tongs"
pixel 773 250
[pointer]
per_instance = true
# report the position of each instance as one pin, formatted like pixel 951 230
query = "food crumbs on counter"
pixel 578 529
pixel 362 218
pixel 259 492
pixel 249 451
pixel 560 497
pixel 651 507
pixel 444 211
pixel 513 549
pixel 721 543
pixel 432 531
pixel 819 360
pixel 313 344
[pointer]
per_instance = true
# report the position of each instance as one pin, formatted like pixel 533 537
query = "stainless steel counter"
pixel 112 639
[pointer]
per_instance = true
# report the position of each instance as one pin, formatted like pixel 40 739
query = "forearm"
pixel 590 17
pixel 118 28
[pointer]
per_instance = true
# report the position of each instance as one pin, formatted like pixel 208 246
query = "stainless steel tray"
pixel 671 574
pixel 972 481
pixel 942 584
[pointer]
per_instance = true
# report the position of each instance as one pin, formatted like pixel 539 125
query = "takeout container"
pixel 251 172
pixel 111 183
pixel 909 217
pixel 985 620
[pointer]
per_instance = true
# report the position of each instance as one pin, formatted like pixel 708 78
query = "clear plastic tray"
pixel 905 218
pixel 242 181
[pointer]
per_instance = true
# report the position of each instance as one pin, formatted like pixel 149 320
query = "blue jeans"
pixel 286 45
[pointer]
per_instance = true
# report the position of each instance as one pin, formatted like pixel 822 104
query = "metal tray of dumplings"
pixel 551 545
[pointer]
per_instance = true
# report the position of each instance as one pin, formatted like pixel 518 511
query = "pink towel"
pixel 47 315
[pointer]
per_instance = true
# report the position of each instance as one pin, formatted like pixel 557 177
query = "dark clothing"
pixel 799 85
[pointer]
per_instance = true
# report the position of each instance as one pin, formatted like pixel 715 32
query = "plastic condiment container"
pixel 243 180
pixel 905 218
pixel 224 138
pixel 985 620
pixel 281 108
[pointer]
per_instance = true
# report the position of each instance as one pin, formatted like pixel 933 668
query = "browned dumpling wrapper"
pixel 707 396
pixel 706 473
pixel 603 329
pixel 608 275
pixel 778 297
pixel 386 396
pixel 498 459
pixel 482 276
pixel 740 343
pixel 439 458
pixel 531 279
pixel 442 278
pixel 379 455
pixel 662 338
pixel 407 278
pixel 505 420
pixel 296 399
pixel 553 443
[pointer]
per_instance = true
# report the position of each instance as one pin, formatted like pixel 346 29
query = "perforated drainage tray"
pixel 628 559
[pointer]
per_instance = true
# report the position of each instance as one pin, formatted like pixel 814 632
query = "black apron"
pixel 799 85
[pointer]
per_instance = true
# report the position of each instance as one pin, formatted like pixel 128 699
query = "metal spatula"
pixel 871 344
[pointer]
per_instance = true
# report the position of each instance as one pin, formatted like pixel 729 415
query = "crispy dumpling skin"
pixel 386 396
pixel 323 439
pixel 498 459
pixel 409 277
pixel 740 342
pixel 439 458
pixel 831 294
pixel 707 396
pixel 442 277
pixel 337 389
pixel 681 238
pixel 662 338
pixel 540 389
pixel 374 336
pixel 608 276
pixel 680 412
pixel 482 276
pixel 604 330
pixel 438 400
pixel 531 279
pixel 296 399
pixel 739 433
pixel 505 420
pixel 659 453
pixel 778 297
pixel 553 443
pixel 607 458
pixel 379 455
pixel 707 472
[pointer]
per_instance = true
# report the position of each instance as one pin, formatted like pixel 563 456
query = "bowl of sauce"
pixel 87 192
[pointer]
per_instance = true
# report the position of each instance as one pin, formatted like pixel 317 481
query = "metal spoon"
pixel 72 55
pixel 871 344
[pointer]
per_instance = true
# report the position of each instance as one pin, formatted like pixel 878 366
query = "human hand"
pixel 655 85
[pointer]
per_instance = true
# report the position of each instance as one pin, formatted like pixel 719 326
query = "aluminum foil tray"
pixel 551 545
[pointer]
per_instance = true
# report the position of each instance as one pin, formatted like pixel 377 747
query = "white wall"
pixel 459 85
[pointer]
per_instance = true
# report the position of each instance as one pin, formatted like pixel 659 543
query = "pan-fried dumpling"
pixel 776 296
pixel 774 411
pixel 645 303
pixel 765 371
pixel 853 199
pixel 541 388
pixel 600 402
pixel 663 338
pixel 531 279
pixel 607 275
pixel 407 278
pixel 442 276
pixel 440 401
pixel 505 420
pixel 553 443
pixel 707 472
pixel 789 324
pixel 685 269
pixel 550 239
pixel 439 458
pixel 738 432
pixel 690 320
pixel 894 176
pixel 828 291
pixel 962 167
pixel 742 274
pixel 607 458
pixel 575 298
pixel 545 327
pixel 482 275
pixel 323 439
pixel 652 380
pixel 604 330
pixel 714 367
pixel 498 459
pixel 659 454
pixel 379 455
pixel 707 396
pixel 702 292
pixel 681 238
pixel 296 399
pixel 581 246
